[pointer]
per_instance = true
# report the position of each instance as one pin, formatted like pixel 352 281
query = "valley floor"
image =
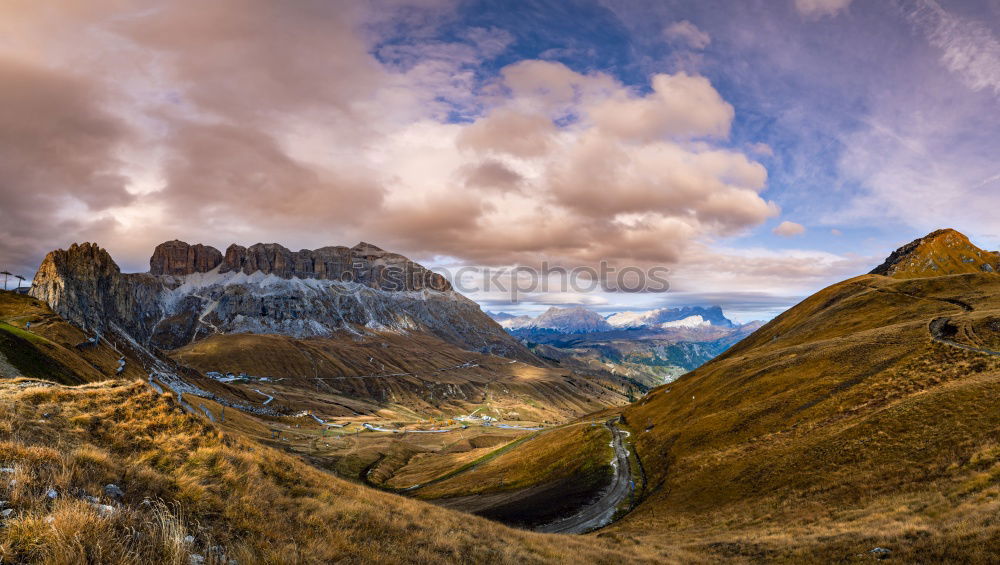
pixel 182 488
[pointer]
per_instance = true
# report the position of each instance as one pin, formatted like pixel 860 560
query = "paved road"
pixel 601 512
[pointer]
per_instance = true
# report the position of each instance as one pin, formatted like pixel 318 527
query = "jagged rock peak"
pixel 942 252
pixel 365 248
pixel 84 285
pixel 179 258
pixel 87 259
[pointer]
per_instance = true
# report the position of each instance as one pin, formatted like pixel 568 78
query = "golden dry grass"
pixel 838 427
pixel 237 498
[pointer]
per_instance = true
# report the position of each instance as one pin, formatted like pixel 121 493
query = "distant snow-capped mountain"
pixel 687 316
pixel 650 347
pixel 689 322
pixel 575 319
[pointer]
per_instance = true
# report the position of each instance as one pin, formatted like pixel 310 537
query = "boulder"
pixel 113 491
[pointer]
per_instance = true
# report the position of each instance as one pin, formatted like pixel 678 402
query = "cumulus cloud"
pixel 587 170
pixel 815 9
pixel 507 130
pixel 687 33
pixel 789 229
pixel 300 123
pixel 680 106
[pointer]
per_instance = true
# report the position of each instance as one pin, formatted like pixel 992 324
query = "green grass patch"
pixel 25 351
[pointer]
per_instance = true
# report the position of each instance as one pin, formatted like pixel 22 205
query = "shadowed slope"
pixel 51 348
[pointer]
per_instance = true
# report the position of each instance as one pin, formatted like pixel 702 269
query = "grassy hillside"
pixel 237 499
pixel 48 348
pixel 539 478
pixel 413 374
pixel 838 427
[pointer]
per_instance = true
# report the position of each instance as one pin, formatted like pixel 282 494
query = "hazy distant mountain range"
pixel 649 347
pixel 579 319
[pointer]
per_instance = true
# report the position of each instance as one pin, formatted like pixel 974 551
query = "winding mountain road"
pixel 602 511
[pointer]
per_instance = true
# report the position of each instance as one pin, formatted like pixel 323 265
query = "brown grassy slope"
pixel 47 349
pixel 314 370
pixel 536 480
pixel 579 451
pixel 246 501
pixel 837 427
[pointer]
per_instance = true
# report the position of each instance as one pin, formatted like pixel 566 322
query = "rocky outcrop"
pixel 942 252
pixel 364 263
pixel 179 258
pixel 85 286
pixel 262 289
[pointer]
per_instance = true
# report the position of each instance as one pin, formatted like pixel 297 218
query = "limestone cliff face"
pixel 178 258
pixel 364 263
pixel 192 292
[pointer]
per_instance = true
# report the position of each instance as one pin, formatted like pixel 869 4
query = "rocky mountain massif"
pixel 364 263
pixel 193 291
pixel 575 319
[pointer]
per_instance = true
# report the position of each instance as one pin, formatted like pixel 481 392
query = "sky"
pixel 759 150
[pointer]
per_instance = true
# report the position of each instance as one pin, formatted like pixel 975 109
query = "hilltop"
pixel 942 252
